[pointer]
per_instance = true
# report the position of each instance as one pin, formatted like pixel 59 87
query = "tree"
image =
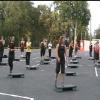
pixel 97 33
pixel 76 12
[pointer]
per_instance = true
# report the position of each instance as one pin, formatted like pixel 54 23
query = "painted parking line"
pixel 96 72
pixel 17 96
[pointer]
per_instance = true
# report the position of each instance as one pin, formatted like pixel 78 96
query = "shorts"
pixel 96 56
pixel 60 66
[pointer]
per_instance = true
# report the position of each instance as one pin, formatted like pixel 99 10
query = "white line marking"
pixel 17 96
pixel 36 58
pixel 96 73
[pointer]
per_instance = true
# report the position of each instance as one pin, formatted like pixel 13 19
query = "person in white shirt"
pixel 49 48
pixel 28 52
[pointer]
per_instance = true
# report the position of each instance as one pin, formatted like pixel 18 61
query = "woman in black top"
pixel 11 55
pixel 42 50
pixel 71 47
pixel 90 50
pixel 60 59
pixel 1 50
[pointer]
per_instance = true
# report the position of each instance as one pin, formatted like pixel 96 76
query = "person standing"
pixel 60 60
pixel 11 55
pixel 42 50
pixel 28 52
pixel 71 47
pixel 1 48
pixel 96 51
pixel 49 48
pixel 22 46
pixel 45 45
pixel 90 49
pixel 76 48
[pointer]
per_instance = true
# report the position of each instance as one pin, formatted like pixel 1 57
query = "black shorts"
pixel 42 52
pixel 60 66
pixel 96 56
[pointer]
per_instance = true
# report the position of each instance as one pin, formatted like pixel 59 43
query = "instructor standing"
pixel 60 60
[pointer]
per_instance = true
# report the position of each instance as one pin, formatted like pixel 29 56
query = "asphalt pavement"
pixel 39 84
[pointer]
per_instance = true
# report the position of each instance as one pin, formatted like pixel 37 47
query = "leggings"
pixel 60 66
pixel 28 58
pixel 10 62
pixel 1 55
pixel 49 52
pixel 42 52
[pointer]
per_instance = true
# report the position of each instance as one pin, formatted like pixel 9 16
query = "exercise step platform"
pixel 46 59
pixel 23 57
pixel 66 88
pixel 53 57
pixel 16 59
pixel 3 64
pixel 22 60
pixel 44 62
pixel 97 64
pixel 73 65
pixel 5 56
pixel 16 75
pixel 91 58
pixel 74 61
pixel 70 73
pixel 32 68
pixel 78 57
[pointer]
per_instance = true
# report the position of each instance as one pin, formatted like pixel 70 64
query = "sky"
pixel 94 7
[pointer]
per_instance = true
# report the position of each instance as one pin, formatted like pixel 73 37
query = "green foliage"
pixel 22 19
pixel 97 33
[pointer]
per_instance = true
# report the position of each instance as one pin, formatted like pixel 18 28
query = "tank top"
pixel 11 46
pixel 61 52
pixel 28 46
pixel 96 48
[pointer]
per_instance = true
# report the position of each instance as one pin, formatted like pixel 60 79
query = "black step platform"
pixel 23 57
pixel 16 75
pixel 32 68
pixel 16 59
pixel 97 64
pixel 78 57
pixel 22 60
pixel 74 61
pixel 3 64
pixel 53 57
pixel 91 58
pixel 66 88
pixel 5 56
pixel 70 73
pixel 73 65
pixel 47 59
pixel 44 62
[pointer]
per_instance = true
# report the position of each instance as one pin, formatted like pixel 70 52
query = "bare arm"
pixel 56 51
